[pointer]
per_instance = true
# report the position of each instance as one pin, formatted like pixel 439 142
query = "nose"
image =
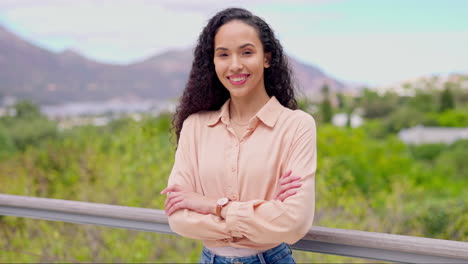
pixel 236 64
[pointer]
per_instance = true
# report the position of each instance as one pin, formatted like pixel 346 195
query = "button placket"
pixel 235 156
pixel 233 159
pixel 235 170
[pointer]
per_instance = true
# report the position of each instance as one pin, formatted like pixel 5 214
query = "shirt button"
pixel 233 169
pixel 234 197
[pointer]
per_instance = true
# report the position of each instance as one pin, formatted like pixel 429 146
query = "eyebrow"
pixel 240 47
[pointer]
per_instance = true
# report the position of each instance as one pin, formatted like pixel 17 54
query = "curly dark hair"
pixel 204 91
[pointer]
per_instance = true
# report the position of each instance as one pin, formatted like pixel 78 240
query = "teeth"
pixel 238 79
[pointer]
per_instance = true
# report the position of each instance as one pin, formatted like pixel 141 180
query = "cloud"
pixel 123 31
pixel 123 26
pixel 131 28
pixel 203 6
pixel 9 4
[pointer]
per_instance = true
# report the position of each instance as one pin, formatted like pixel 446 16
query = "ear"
pixel 267 62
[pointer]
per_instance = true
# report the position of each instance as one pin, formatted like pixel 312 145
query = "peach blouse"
pixel 211 160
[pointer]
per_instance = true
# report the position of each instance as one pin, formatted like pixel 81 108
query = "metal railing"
pixel 352 243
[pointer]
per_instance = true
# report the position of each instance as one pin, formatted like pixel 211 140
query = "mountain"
pixel 311 79
pixel 31 72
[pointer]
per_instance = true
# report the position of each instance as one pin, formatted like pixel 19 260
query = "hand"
pixel 287 186
pixel 178 198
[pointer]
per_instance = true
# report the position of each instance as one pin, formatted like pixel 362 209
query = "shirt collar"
pixel 268 114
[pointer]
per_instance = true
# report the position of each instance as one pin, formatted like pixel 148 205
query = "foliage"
pixel 376 106
pixel 341 101
pixel 367 179
pixel 305 104
pixel 423 101
pixel 403 117
pixel 448 118
pixel 326 111
pixel 362 183
pixel 7 145
pixel 427 152
pixel 446 99
pixel 26 110
pixel 27 128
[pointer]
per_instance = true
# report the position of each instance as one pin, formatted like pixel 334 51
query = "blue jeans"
pixel 280 254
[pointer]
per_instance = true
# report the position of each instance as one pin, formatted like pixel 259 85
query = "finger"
pixel 282 181
pixel 173 201
pixel 167 189
pixel 289 179
pixel 172 188
pixel 286 174
pixel 289 186
pixel 164 190
pixel 175 207
pixel 286 194
pixel 170 197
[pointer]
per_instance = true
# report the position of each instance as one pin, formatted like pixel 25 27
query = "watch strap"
pixel 219 208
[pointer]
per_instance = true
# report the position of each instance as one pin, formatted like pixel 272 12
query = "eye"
pixel 247 52
pixel 222 55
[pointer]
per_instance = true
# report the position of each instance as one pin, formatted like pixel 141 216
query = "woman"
pixel 244 170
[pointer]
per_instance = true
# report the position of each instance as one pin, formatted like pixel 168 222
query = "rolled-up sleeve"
pixel 275 221
pixel 186 222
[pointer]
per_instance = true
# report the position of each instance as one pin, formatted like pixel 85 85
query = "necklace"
pixel 232 119
pixel 238 123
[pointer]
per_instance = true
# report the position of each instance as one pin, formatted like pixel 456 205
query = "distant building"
pixel 6 106
pixel 101 113
pixel 114 107
pixel 341 120
pixel 8 101
pixel 432 135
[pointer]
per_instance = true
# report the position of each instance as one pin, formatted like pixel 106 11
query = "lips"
pixel 238 79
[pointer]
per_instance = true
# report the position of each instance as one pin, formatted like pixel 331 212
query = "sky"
pixel 362 41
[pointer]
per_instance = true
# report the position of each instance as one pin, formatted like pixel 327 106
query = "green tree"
pixel 341 101
pixel 450 118
pixel 376 106
pixel 6 143
pixel 423 101
pixel 326 107
pixel 403 117
pixel 26 109
pixel 305 104
pixel 31 131
pixel 446 99
pixel 28 126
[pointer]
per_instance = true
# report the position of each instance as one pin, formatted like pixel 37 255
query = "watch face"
pixel 222 201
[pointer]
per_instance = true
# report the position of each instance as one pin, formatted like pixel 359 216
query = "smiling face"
pixel 239 59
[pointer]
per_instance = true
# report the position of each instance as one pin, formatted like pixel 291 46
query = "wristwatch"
pixel 220 204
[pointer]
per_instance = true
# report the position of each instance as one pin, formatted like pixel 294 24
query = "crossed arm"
pixel 180 197
pixel 287 218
